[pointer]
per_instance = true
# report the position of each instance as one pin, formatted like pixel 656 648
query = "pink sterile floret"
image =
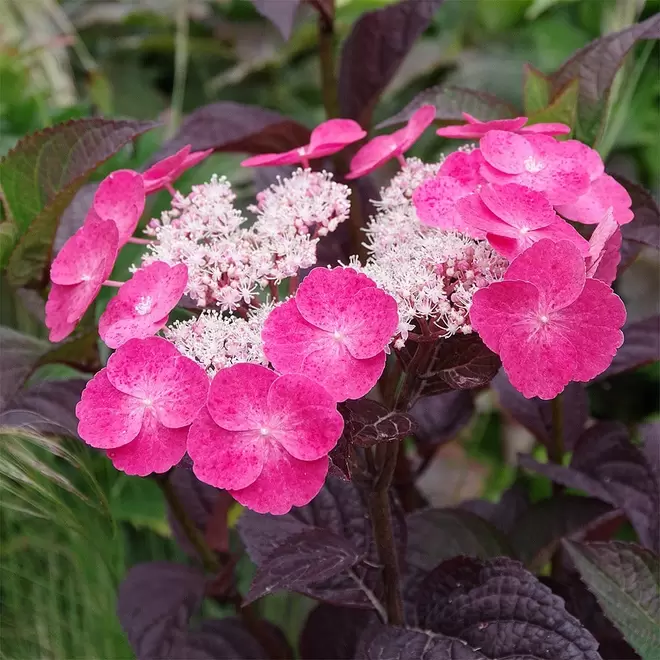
pixel 165 172
pixel 327 138
pixel 78 272
pixel 120 197
pixel 560 170
pixel 436 199
pixel 476 129
pixel 264 437
pixel 515 217
pixel 605 249
pixel 379 150
pixel 142 305
pixel 334 331
pixel 140 406
pixel 548 322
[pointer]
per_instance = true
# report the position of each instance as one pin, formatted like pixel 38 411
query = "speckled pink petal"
pixel 155 449
pixel 107 417
pixel 160 174
pixel 465 167
pixel 372 155
pixel 499 306
pixel 57 310
pixel 556 269
pixel 537 363
pixel 142 304
pixel 344 376
pixel 285 482
pixel 267 160
pixel 237 399
pixel 369 322
pixel 604 192
pixel 225 459
pixel 518 206
pixel 577 151
pixel 325 294
pixel 120 197
pixel 304 417
pixel 88 256
pixel 332 136
pixel 506 152
pixel 478 218
pixel 604 250
pixel 561 231
pixel 288 337
pixel 545 129
pixel 435 202
pixel 475 128
pixel 421 119
pixel 192 159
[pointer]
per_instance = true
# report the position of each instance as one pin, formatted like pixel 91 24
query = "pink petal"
pixel 476 129
pixel 546 129
pixel 506 152
pixel 225 459
pixel 304 417
pixel 435 203
pixel 604 250
pixel 557 270
pixel 284 482
pixel 478 218
pixel 332 136
pixel 561 231
pixel 325 294
pixel 499 306
pixel 421 119
pixel 159 174
pixel 142 305
pixel 107 417
pixel 369 322
pixel 267 160
pixel 518 206
pixel 57 311
pixel 593 326
pixel 604 192
pixel 372 155
pixel 192 159
pixel 577 151
pixel 156 448
pixel 237 398
pixel 465 167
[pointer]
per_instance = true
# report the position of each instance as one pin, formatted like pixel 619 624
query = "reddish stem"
pixel 113 283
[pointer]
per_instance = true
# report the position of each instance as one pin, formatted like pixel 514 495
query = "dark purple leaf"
pixel 332 633
pixel 19 354
pixel 381 642
pixel 461 362
pixel 313 556
pixel 537 533
pixel 536 415
pixel 503 514
pixel 501 609
pixel 374 51
pixel 450 102
pixel 641 345
pixel 74 215
pixel 626 582
pixel 368 423
pixel 342 459
pixel 645 227
pixel 650 435
pixel 608 466
pixel 155 603
pixel 227 126
pixel 440 418
pixel 264 177
pixel 281 13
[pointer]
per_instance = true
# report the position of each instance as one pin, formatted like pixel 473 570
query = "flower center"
pixel 86 278
pixel 544 319
pixel 144 305
pixel 524 230
pixel 533 165
pixel 148 402
pixel 264 431
pixel 338 336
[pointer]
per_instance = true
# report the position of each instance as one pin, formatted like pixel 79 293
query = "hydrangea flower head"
pixel 477 129
pixel 165 172
pixel 547 321
pixel 120 197
pixel 335 331
pixel 78 272
pixel 384 147
pixel 327 138
pixel 560 170
pixel 142 305
pixel 139 407
pixel 513 218
pixel 265 438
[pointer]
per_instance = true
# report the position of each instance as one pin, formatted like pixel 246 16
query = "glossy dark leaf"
pixel 282 13
pixel 74 215
pixel 227 126
pixel 645 227
pixel 461 362
pixel 155 603
pixel 625 579
pixel 503 514
pixel 536 415
pixel 607 465
pixel 375 49
pixel 368 423
pixel 450 102
pixel 537 532
pixel 312 556
pixel 381 642
pixel 503 610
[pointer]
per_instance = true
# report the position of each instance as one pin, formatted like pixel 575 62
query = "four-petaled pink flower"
pixel 560 170
pixel 547 321
pixel 334 331
pixel 327 138
pixel 605 250
pixel 514 217
pixel 142 305
pixel 475 129
pixel 436 199
pixel 384 147
pixel 78 272
pixel 165 172
pixel 120 197
pixel 140 406
pixel 265 438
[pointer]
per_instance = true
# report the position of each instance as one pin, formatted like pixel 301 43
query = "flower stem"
pixel 327 60
pixel 113 283
pixel 139 241
pixel 180 68
pixel 556 455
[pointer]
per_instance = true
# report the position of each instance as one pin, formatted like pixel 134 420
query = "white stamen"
pixel 144 305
